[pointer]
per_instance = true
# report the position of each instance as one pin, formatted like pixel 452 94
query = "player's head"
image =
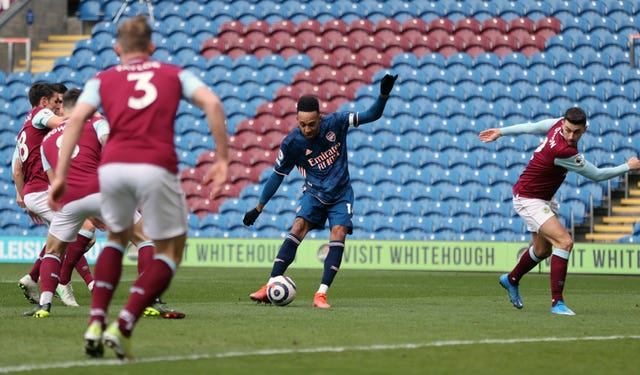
pixel 42 94
pixel 60 89
pixel 574 125
pixel 308 116
pixel 69 100
pixel 134 37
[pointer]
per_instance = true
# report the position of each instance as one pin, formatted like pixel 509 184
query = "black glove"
pixel 250 217
pixel 387 84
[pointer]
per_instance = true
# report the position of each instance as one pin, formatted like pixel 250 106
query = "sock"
pixel 145 255
pixel 286 255
pixel 83 269
pixel 323 288
pixel 149 285
pixel 332 262
pixel 527 262
pixel 50 271
pixel 35 270
pixel 559 263
pixel 107 274
pixel 72 255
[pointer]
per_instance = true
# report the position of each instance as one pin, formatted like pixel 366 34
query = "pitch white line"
pixel 328 349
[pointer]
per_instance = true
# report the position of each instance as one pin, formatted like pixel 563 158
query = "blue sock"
pixel 333 261
pixel 286 255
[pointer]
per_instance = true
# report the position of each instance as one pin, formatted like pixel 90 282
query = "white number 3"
pixel 143 83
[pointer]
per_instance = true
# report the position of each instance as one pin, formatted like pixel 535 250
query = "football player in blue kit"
pixel 318 148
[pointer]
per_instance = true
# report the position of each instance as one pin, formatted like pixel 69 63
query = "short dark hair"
pixel 308 103
pixel 38 91
pixel 576 116
pixel 60 88
pixel 70 97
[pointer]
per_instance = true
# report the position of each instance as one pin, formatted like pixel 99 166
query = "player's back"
pixel 141 99
pixel 82 177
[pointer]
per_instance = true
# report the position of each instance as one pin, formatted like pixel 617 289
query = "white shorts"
pixel 156 192
pixel 38 203
pixel 67 222
pixel 535 212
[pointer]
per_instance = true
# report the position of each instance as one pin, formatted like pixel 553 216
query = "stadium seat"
pixel 90 10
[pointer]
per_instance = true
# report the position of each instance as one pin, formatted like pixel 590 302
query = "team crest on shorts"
pixel 331 136
pixel 546 209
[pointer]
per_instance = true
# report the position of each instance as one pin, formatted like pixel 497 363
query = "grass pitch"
pixel 381 322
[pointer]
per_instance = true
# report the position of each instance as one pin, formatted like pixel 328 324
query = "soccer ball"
pixel 281 290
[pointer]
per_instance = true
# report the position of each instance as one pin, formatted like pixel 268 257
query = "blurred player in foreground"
pixel 533 197
pixel 140 98
pixel 318 148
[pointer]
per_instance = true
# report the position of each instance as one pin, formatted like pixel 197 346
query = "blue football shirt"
pixel 322 161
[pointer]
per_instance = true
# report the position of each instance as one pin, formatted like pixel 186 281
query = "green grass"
pixel 376 317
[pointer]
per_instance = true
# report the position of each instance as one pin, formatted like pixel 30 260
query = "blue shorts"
pixel 317 213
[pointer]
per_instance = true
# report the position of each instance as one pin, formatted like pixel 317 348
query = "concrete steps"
pixel 43 58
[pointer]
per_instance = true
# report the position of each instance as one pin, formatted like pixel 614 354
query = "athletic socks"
pixel 332 262
pixel 149 286
pixel 50 272
pixel 145 255
pixel 75 251
pixel 286 255
pixel 82 267
pixel 559 264
pixel 35 269
pixel 527 262
pixel 107 276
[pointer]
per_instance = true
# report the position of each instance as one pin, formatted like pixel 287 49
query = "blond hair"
pixel 134 34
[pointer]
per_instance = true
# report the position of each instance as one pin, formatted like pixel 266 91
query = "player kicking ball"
pixel 318 148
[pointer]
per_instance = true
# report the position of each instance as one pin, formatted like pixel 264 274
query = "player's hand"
pixel 56 191
pixel 489 135
pixel 633 163
pixel 97 223
pixel 250 217
pixel 20 201
pixel 35 218
pixel 216 176
pixel 386 84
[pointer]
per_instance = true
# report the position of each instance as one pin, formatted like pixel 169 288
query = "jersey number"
pixel 143 83
pixel 76 150
pixel 23 149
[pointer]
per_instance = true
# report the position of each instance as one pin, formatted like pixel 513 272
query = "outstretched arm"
pixel 375 111
pixel 583 167
pixel 540 127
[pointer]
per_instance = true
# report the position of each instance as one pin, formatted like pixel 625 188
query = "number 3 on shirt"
pixel 143 83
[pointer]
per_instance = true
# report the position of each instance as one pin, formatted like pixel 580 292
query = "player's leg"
pixel 161 199
pixel 331 265
pixel 340 217
pixel 146 251
pixel 75 251
pixel 29 282
pixel 37 203
pixel 286 255
pixel 534 212
pixel 82 266
pixel 562 244
pixel 116 207
pixel 50 271
pixel 312 214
